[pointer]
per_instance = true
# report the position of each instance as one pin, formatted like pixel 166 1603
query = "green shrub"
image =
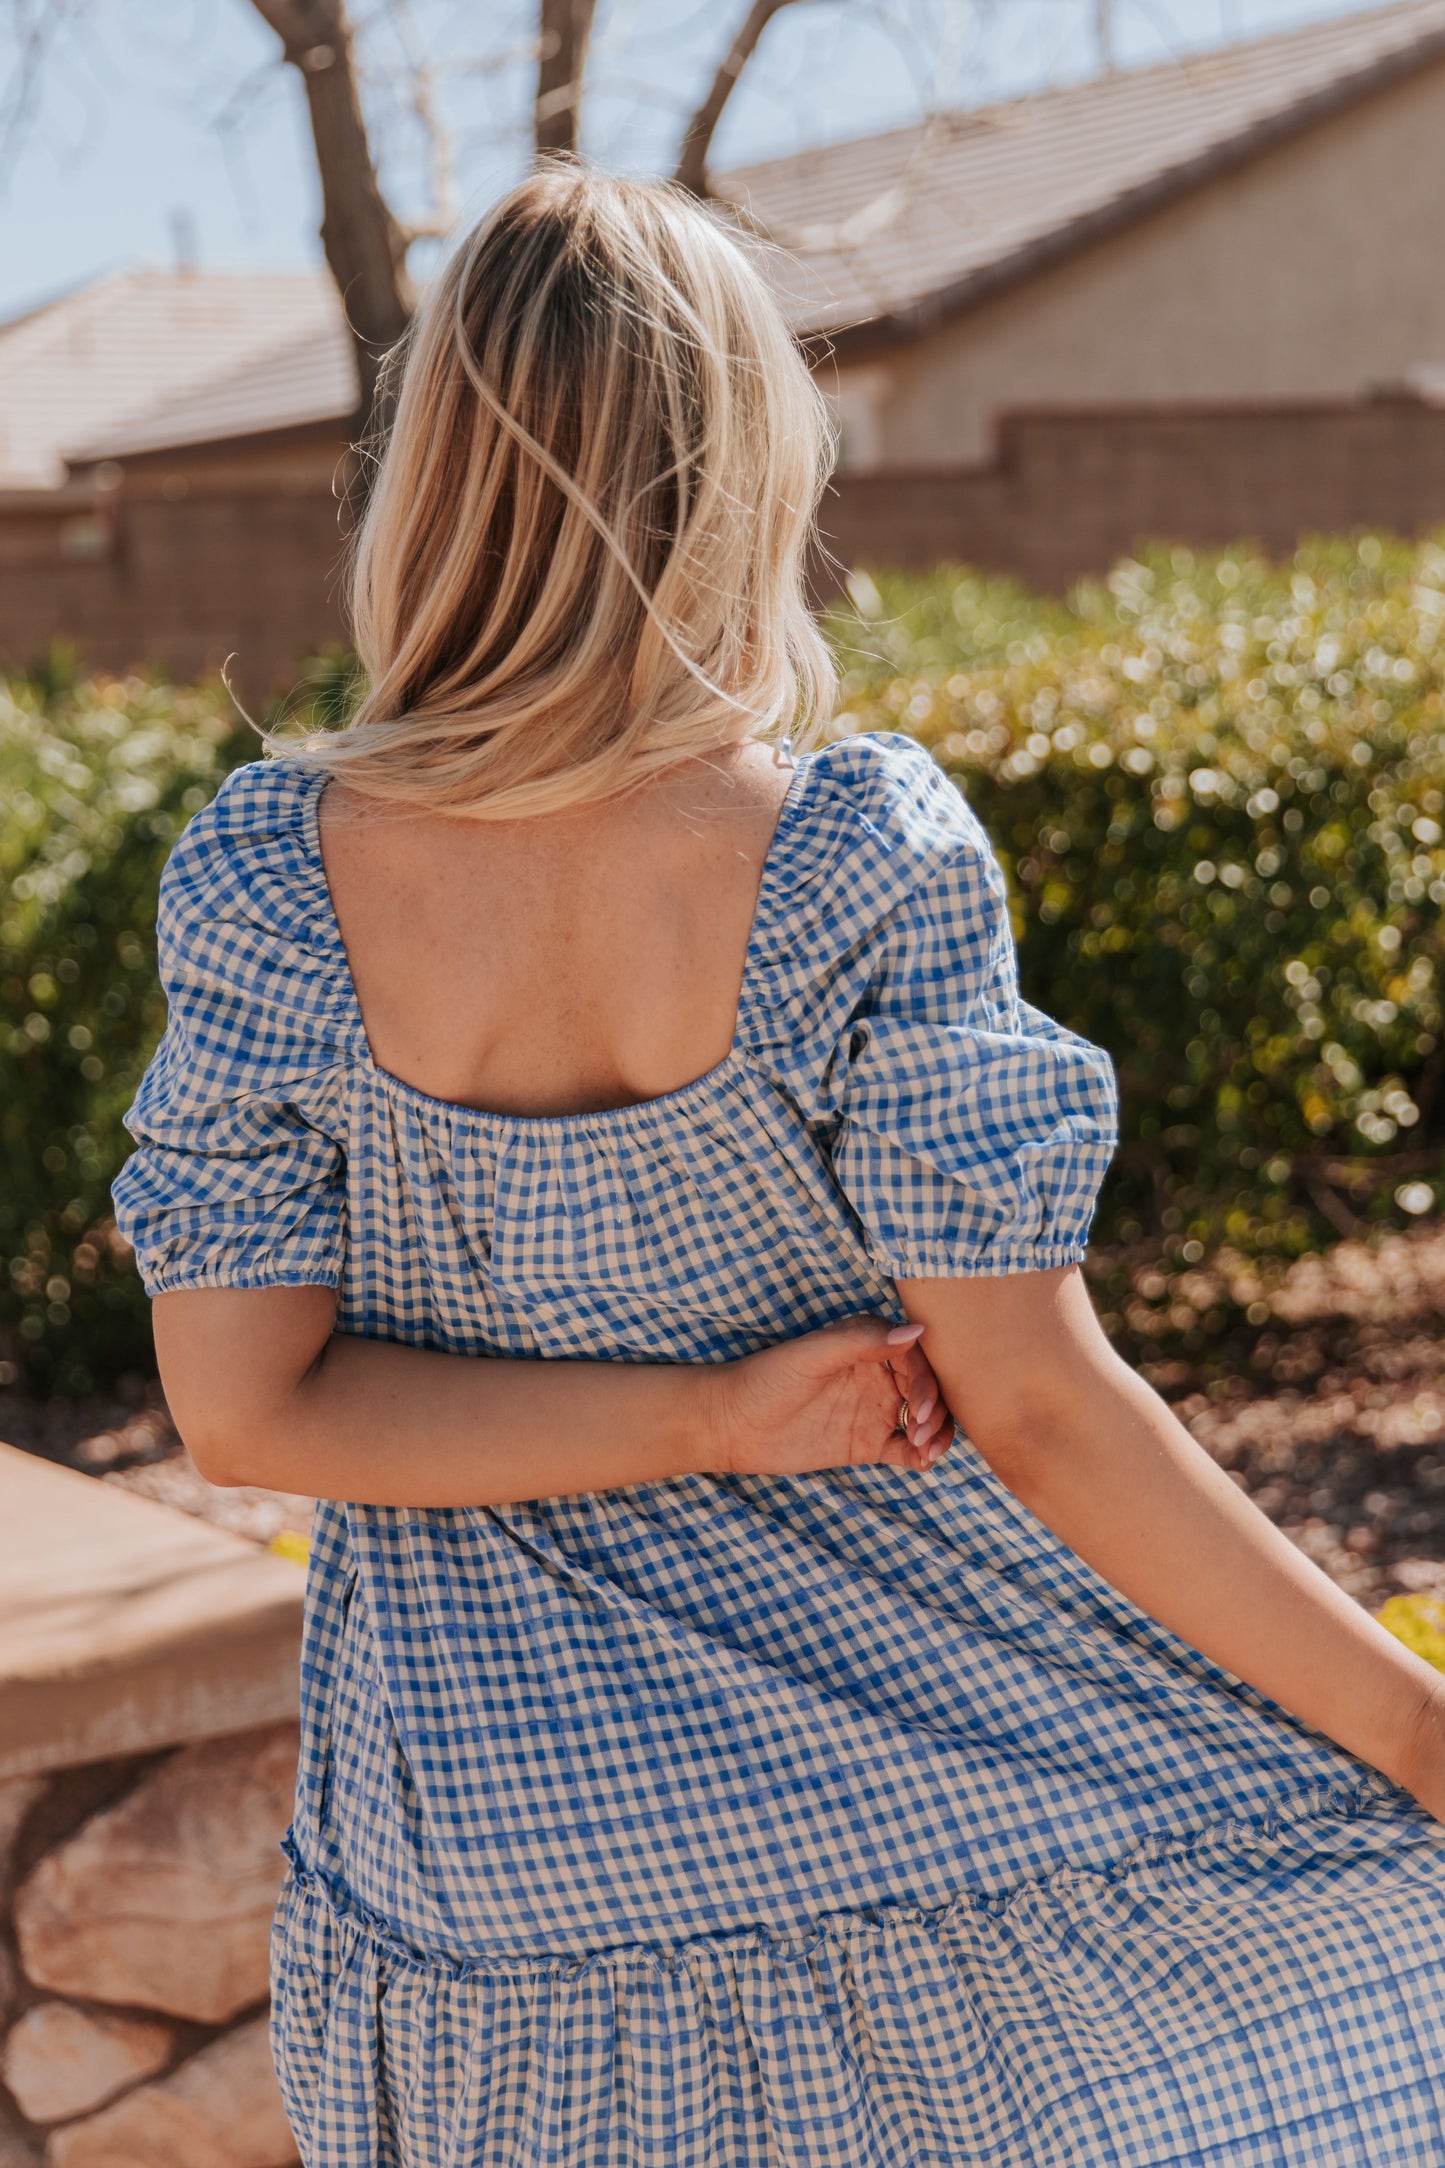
pixel 96 781
pixel 1218 787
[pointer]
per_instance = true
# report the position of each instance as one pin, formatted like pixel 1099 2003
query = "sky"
pixel 156 130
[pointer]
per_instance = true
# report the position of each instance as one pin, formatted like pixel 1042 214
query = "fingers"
pixel 872 1339
pixel 926 1412
pixel 930 1420
pixel 869 1339
pixel 925 1444
pixel 916 1381
pixel 924 1419
pixel 919 1460
pixel 931 1428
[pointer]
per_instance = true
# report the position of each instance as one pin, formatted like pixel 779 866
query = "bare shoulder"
pixel 762 772
pixel 581 959
pixel 341 807
pixel 765 770
pixel 732 797
pixel 372 833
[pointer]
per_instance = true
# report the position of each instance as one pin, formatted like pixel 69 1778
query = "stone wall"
pixel 138 1897
pixel 148 1684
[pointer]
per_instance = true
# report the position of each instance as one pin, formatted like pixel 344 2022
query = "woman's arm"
pixel 263 1391
pixel 1094 1452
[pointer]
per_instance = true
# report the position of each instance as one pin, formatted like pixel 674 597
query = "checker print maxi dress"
pixel 844 1820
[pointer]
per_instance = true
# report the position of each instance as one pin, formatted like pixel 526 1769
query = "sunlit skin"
pixel 594 959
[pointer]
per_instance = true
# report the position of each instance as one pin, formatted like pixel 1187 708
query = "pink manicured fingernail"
pixel 925 1407
pixel 903 1335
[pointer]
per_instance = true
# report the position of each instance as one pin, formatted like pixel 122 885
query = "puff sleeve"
pixel 974 1131
pixel 238 1176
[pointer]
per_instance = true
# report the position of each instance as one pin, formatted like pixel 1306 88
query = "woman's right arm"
pixel 1094 1453
pixel 264 1391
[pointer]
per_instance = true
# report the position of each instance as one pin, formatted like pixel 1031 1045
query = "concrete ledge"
pixel 126 1627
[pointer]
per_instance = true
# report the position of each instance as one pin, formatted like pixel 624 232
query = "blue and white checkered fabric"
pixel 837 1821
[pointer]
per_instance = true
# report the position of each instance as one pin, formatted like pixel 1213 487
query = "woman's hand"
pixel 831 1399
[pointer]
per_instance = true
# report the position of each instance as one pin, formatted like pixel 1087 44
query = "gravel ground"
pixel 1322 1391
pixel 1332 1414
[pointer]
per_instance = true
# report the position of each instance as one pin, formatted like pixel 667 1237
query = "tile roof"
pixel 894 230
pixel 88 365
pixel 307 379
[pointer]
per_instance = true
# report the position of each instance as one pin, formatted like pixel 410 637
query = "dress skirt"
pixel 1261 1997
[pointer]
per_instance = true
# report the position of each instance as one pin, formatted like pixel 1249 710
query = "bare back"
pixel 560 965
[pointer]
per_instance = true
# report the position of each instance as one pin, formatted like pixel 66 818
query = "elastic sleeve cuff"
pixel 179 1279
pixel 938 1261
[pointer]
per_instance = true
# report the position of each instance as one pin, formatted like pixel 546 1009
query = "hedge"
pixel 96 782
pixel 1218 787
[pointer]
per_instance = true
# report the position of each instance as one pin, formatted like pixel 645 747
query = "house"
pixel 174 562
pixel 79 369
pixel 1253 224
pixel 1193 301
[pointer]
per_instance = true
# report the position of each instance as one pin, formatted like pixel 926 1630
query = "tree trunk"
pixel 565 28
pixel 365 246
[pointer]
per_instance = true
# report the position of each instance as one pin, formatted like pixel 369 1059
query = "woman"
pixel 698 1769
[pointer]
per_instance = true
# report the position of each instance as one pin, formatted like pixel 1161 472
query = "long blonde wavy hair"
pixel 582 560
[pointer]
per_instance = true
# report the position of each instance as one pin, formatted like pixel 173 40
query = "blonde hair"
pixel 583 557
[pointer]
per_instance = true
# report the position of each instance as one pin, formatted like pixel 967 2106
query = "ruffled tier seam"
pixel 1346 1802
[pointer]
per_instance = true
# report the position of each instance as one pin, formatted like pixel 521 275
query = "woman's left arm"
pixel 263 1390
pixel 1094 1453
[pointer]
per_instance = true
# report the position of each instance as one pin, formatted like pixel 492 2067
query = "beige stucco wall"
pixel 1317 270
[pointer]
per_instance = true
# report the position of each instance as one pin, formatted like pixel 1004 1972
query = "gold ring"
pixel 904 1416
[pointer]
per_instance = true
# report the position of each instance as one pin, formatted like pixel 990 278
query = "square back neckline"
pixel 661 1103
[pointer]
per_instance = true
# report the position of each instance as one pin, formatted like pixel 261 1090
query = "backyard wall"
pixel 182 562
pixel 1066 494
pixel 148 1686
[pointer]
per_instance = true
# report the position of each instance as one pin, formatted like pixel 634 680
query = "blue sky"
pixel 168 123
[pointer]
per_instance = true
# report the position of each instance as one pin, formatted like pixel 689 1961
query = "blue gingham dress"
pixel 842 1820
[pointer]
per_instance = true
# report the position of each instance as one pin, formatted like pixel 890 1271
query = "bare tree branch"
pixel 566 26
pixel 34 26
pixel 365 245
pixel 691 170
pixel 427 112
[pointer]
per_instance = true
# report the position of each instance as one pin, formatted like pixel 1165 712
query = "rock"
pixel 60 2061
pixel 17 1796
pixel 222 2109
pixel 125 1627
pixel 9 1986
pixel 16 2151
pixel 164 1901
